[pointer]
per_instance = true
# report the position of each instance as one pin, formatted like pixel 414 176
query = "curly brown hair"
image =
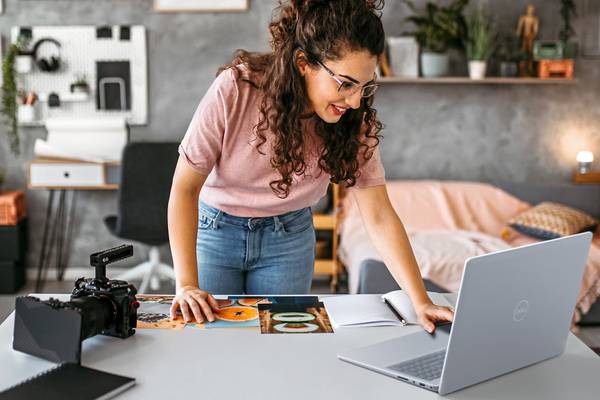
pixel 324 30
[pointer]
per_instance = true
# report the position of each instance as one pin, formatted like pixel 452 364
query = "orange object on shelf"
pixel 12 207
pixel 592 177
pixel 549 69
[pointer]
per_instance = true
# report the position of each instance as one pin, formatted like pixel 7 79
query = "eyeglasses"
pixel 347 88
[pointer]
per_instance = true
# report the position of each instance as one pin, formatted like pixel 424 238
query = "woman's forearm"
pixel 182 215
pixel 387 233
pixel 183 228
pixel 391 241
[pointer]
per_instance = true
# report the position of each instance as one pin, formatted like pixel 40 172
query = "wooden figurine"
pixel 384 64
pixel 526 32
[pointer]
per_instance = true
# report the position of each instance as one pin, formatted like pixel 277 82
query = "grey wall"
pixel 475 132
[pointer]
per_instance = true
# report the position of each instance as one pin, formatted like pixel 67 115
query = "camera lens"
pixel 97 313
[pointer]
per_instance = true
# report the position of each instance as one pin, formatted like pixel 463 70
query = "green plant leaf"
pixel 9 92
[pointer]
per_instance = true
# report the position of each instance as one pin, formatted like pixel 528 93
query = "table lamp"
pixel 584 160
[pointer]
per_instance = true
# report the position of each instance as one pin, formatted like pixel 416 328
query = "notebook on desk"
pixel 362 310
pixel 68 381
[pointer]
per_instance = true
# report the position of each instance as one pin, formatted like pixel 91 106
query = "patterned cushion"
pixel 552 220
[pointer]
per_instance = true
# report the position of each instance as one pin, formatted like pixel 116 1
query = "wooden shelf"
pixel 67 96
pixel 463 80
pixel 592 177
pixel 102 187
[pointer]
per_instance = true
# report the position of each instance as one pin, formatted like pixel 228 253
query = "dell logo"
pixel 521 310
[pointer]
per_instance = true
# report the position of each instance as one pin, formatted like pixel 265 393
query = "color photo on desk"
pixel 242 311
pixel 154 313
pixel 236 311
pixel 294 318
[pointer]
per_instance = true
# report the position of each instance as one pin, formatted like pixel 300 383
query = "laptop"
pixel 514 309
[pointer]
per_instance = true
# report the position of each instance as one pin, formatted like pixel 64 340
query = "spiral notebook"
pixel 69 381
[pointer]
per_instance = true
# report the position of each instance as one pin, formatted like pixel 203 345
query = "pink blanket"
pixel 448 222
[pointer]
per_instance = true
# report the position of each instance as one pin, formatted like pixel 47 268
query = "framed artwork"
pixel 1 53
pixel 200 5
pixel 590 43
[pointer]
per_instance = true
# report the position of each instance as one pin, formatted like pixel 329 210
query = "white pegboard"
pixel 80 49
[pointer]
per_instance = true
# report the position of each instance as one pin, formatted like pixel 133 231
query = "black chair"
pixel 146 176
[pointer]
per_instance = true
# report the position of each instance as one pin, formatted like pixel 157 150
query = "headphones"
pixel 44 64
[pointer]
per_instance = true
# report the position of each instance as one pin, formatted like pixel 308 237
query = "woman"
pixel 267 138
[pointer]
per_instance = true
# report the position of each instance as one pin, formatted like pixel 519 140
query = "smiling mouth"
pixel 338 110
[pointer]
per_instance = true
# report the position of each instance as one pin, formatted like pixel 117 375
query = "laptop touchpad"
pixel 399 349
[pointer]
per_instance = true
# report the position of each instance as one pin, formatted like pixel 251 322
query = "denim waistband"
pixel 251 222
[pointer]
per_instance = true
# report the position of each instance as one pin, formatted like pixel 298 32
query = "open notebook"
pixel 373 310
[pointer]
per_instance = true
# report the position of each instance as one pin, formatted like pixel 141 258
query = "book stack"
pixel 13 240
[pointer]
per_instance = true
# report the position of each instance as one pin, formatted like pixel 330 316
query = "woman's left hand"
pixel 429 314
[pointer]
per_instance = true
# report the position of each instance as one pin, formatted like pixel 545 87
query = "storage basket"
pixel 12 207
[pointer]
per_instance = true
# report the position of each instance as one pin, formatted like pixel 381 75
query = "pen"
pixel 396 313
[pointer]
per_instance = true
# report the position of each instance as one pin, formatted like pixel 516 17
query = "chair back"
pixel 146 175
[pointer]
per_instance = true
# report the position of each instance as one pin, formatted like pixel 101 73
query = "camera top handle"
pixel 102 258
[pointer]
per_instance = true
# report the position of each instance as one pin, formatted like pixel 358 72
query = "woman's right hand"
pixel 200 303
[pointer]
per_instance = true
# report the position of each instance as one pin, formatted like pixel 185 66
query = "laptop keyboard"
pixel 427 367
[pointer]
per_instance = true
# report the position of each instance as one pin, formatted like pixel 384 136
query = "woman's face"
pixel 357 68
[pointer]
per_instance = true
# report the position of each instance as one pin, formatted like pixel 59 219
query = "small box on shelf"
pixel 556 69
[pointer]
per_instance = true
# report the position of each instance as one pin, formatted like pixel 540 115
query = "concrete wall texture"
pixel 473 132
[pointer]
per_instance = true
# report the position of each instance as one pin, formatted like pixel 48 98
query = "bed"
pixel 449 221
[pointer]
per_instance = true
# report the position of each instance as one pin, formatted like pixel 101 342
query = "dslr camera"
pixel 53 329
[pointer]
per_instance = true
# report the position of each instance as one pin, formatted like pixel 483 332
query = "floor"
pixel 589 335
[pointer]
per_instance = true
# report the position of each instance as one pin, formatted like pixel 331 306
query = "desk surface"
pixel 243 364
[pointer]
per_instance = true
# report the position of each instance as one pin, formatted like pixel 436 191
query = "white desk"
pixel 238 364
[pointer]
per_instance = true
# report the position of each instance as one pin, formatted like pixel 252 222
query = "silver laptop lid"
pixel 514 309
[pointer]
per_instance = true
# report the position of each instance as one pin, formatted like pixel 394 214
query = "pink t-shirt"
pixel 220 142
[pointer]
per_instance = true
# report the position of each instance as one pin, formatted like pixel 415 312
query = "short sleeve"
pixel 371 169
pixel 203 141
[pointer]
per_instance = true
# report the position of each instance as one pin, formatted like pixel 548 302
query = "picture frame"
pixel 175 6
pixel 590 39
pixel 1 55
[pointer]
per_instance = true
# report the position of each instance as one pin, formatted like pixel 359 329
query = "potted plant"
pixel 568 10
pixel 480 42
pixel 436 30
pixel 80 84
pixel 9 91
pixel 508 55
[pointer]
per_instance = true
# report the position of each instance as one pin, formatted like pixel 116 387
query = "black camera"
pixel 53 329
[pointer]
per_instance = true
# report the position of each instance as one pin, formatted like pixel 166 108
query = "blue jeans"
pixel 271 255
